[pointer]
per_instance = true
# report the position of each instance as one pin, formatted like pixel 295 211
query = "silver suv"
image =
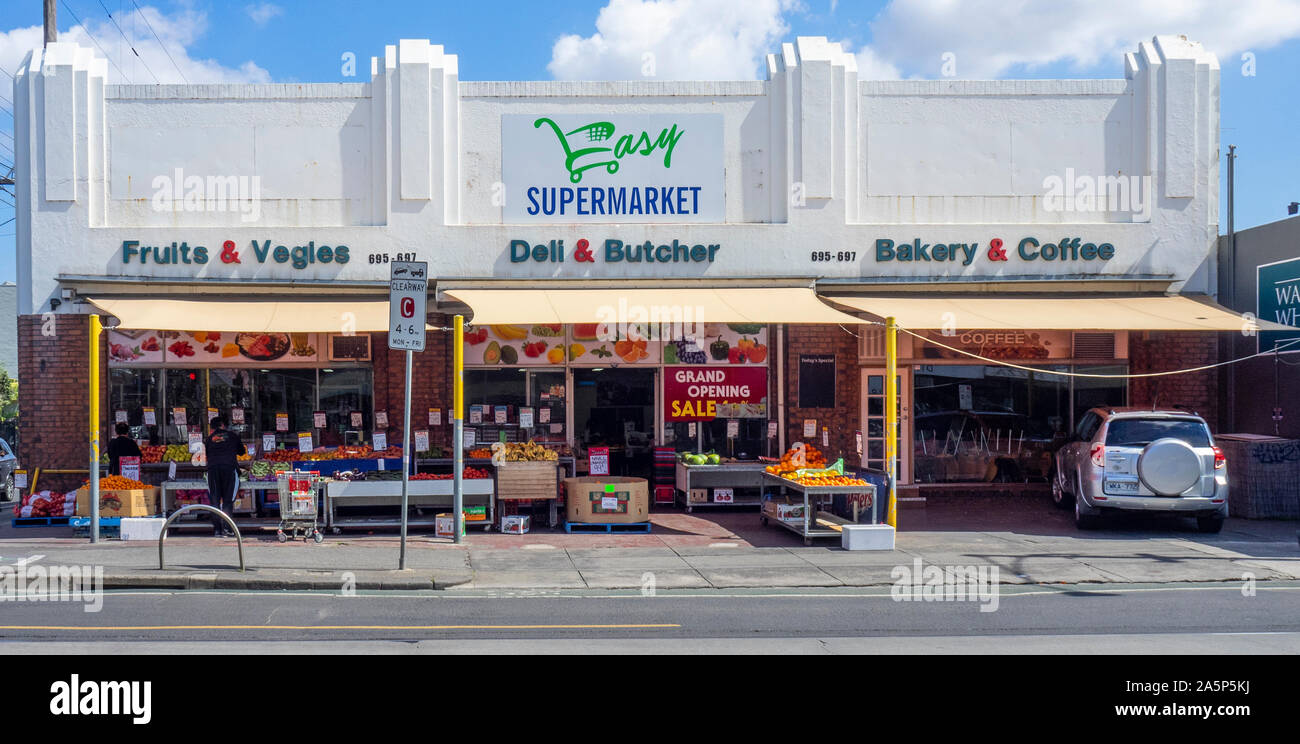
pixel 1141 460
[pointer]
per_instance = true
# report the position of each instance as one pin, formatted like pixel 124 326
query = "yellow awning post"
pixel 458 423
pixel 95 330
pixel 891 418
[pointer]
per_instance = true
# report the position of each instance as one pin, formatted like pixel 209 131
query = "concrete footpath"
pixel 684 552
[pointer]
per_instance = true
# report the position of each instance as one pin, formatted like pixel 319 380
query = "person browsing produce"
pixel 223 449
pixel 121 446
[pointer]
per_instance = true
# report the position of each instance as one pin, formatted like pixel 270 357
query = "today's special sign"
pixel 695 393
pixel 604 167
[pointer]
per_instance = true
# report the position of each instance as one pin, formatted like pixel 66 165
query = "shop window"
pixel 493 390
pixel 1090 392
pixel 233 388
pixel 288 391
pixel 344 392
pixel 133 390
pixel 711 436
pixel 185 389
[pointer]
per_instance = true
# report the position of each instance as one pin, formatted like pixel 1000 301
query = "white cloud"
pixel 991 37
pixel 872 67
pixel 177 31
pixel 674 40
pixel 262 14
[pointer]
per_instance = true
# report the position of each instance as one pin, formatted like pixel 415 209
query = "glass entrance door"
pixel 873 421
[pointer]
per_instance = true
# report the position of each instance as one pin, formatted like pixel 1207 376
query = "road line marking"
pixel 656 626
pixel 29 559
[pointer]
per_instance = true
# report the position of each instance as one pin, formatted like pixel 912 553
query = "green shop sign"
pixel 1278 300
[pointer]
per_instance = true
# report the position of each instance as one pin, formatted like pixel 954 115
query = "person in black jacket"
pixel 223 448
pixel 121 446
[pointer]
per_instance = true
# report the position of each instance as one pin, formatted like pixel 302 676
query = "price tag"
pixel 422 440
pixel 475 415
pixel 119 416
pixel 212 413
pixel 196 440
pixel 809 428
pixel 250 450
pixel 499 414
pixel 826 437
pixel 435 417
pixel 691 429
pixel 356 421
pixel 282 422
pixel 724 496
pixel 178 416
pixel 237 416
pixel 268 442
pixel 171 470
pixel 544 415
pixel 598 458
pixel 129 467
pixel 609 503
pixel 150 417
pixel 733 428
pixel 526 418
pixel 20 480
pixel 304 442
pixel 469 436
pixel 318 419
pixel 771 429
pixel 557 428
pixel 380 440
pixel 381 420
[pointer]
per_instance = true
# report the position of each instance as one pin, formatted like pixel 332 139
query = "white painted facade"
pixel 814 158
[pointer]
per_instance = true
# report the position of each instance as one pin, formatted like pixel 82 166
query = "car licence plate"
pixel 1121 486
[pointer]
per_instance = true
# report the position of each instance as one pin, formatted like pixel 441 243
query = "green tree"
pixel 8 397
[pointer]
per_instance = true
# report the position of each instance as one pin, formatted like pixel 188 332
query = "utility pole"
pixel 1232 285
pixel 51 26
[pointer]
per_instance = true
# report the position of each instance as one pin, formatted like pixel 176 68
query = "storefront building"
pixel 682 264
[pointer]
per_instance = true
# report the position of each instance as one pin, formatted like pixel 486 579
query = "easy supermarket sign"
pixel 1278 300
pixel 626 168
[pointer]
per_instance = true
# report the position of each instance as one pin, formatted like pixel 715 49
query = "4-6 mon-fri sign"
pixel 408 291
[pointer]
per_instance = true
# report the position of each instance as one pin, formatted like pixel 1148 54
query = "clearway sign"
pixel 408 292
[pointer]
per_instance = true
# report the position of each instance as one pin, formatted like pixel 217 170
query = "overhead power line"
pixel 144 18
pixel 127 40
pixel 96 41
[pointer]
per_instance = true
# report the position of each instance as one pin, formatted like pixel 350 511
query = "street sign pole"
pixel 408 292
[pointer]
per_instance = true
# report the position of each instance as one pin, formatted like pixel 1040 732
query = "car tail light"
pixel 1219 459
pixel 1098 455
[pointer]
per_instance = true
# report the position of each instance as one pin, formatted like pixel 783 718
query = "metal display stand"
pixel 725 475
pixel 422 493
pixel 816 522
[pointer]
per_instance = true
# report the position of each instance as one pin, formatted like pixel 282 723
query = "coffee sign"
pixel 604 167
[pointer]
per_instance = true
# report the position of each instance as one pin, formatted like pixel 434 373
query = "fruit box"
pixel 444 526
pixel 139 502
pixel 606 499
pixel 698 496
pixel 783 512
pixel 516 524
pixel 526 480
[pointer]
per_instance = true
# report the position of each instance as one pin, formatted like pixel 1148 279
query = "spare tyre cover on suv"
pixel 1169 466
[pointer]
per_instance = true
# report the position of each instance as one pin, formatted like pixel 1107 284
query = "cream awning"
pixel 653 305
pixel 252 316
pixel 1160 313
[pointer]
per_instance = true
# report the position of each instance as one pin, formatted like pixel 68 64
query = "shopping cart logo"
pixel 583 148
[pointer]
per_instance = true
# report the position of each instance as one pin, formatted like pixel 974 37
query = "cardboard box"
pixel 140 502
pixel 698 496
pixel 527 480
pixel 605 499
pixel 474 513
pixel 141 528
pixel 516 524
pixel 444 526
pixel 783 512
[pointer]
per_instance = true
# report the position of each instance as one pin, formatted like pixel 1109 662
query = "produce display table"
pixel 420 493
pixel 725 475
pixel 259 489
pixel 816 522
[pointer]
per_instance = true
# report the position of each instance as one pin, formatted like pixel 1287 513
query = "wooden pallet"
pixel 39 521
pixel 594 527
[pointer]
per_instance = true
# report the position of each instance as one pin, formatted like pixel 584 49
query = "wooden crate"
pixel 526 480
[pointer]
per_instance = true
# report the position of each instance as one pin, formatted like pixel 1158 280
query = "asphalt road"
pixel 1171 618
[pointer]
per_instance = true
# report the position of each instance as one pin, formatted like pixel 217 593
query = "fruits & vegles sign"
pixel 612 168
pixel 230 252
pixel 695 393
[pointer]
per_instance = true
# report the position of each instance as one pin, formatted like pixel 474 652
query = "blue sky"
pixel 289 40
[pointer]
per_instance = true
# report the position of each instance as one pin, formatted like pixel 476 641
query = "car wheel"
pixel 1060 497
pixel 1081 520
pixel 1209 525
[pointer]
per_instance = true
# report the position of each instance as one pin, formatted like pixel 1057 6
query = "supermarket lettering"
pixel 92 698
pixel 298 256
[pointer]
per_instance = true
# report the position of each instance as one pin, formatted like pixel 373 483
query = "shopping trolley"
pixel 298 509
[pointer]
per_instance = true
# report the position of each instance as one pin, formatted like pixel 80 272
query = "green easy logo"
pixel 582 151
pixel 299 256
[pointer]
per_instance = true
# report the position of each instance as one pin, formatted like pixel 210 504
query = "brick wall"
pixel 54 398
pixel 1158 351
pixel 844 419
